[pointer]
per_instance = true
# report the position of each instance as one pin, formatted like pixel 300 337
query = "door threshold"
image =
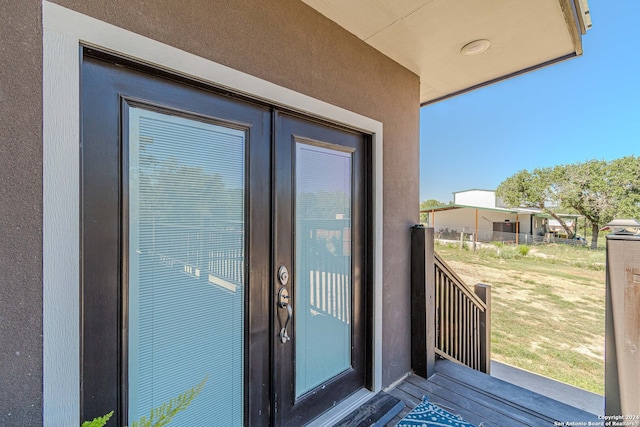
pixel 342 409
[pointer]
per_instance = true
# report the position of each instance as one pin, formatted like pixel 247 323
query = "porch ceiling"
pixel 426 36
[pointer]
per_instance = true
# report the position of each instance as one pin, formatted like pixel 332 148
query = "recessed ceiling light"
pixel 475 47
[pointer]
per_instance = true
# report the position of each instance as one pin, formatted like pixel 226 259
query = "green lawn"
pixel 548 307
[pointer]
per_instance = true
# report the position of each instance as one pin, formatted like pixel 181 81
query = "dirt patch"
pixel 548 319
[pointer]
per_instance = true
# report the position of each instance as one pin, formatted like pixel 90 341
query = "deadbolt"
pixel 283 275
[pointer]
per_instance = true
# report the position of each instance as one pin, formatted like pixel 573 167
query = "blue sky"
pixel 584 108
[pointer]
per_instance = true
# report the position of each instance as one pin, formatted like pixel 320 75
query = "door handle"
pixel 283 302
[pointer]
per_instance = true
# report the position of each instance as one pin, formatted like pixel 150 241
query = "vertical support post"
pixel 484 292
pixel 422 301
pixel 517 229
pixel 475 235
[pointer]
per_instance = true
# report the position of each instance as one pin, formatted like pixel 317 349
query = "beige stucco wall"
pixel 20 213
pixel 284 42
pixel 464 219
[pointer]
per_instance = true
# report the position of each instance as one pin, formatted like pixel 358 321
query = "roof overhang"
pixel 427 36
pixel 456 206
pixel 515 211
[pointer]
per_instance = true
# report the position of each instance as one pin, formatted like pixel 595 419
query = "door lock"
pixel 283 298
pixel 283 275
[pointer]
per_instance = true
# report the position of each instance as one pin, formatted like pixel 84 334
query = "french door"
pixel 224 244
pixel 320 233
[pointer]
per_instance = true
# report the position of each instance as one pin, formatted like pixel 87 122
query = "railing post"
pixel 422 301
pixel 484 292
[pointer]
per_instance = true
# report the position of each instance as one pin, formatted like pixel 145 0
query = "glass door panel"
pixel 323 264
pixel 186 251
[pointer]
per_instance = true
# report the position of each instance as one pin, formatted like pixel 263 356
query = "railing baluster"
pixel 445 315
pixel 469 329
pixel 443 325
pixel 465 333
pixel 440 342
pixel 454 321
pixel 448 326
pixel 463 329
pixel 443 310
pixel 467 345
pixel 472 336
pixel 458 324
pixel 452 324
pixel 476 336
pixel 456 327
pixel 437 307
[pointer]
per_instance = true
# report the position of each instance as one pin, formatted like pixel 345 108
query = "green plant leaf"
pixel 98 421
pixel 162 415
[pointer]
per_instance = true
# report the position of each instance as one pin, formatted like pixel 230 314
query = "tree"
pixel 601 191
pixel 585 188
pixel 626 173
pixel 597 189
pixel 425 205
pixel 535 189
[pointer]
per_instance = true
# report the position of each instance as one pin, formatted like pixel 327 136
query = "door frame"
pixel 64 32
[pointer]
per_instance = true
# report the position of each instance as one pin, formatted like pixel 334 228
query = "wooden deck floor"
pixel 484 400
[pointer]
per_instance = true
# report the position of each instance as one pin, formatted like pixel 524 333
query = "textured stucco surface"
pixel 20 213
pixel 290 44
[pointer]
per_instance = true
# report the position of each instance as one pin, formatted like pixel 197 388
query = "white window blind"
pixel 323 264
pixel 186 266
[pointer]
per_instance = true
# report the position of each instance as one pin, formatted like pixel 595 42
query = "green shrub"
pixel 523 249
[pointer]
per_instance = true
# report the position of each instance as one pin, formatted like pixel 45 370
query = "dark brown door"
pixel 321 241
pixel 175 249
pixel 192 200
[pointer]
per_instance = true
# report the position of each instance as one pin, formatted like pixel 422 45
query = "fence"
pixel 466 235
pixel 216 254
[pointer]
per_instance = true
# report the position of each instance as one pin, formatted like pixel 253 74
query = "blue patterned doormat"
pixel 427 414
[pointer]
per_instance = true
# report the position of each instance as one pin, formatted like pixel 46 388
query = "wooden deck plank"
pixel 394 422
pixel 377 411
pixel 398 417
pixel 409 387
pixel 468 415
pixel 462 401
pixel 404 412
pixel 483 400
pixel 409 400
pixel 497 389
pixel 489 410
